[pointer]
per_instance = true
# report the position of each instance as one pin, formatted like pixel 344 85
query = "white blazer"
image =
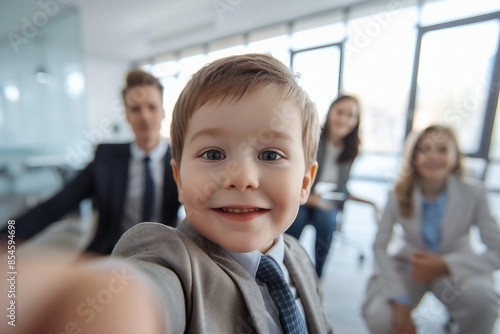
pixel 467 206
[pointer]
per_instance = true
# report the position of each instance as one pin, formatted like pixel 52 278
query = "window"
pixel 492 179
pixel 189 66
pixel 379 56
pixel 276 46
pixel 368 51
pixel 434 12
pixel 495 138
pixel 234 50
pixel 170 94
pixel 332 33
pixel 453 79
pixel 319 75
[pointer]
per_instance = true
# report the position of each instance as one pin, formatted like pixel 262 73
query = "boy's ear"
pixel 177 178
pixel 307 182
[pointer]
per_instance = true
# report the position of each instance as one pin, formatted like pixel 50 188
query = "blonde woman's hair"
pixel 408 176
pixel 233 77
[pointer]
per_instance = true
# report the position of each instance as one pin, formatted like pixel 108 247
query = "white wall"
pixel 105 80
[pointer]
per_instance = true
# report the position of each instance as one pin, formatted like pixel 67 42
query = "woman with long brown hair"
pixel 338 147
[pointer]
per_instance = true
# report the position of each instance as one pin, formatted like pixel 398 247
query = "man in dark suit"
pixel 128 183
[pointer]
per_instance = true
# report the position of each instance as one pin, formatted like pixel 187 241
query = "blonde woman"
pixel 435 208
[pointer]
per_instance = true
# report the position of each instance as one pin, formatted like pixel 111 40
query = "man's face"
pixel 144 112
pixel 242 176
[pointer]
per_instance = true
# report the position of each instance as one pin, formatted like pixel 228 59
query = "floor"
pixel 345 276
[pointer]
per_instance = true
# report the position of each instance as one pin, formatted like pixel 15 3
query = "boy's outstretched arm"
pixel 96 295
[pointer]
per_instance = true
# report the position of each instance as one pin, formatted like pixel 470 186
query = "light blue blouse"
pixel 432 216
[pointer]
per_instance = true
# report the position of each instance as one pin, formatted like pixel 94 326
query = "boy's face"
pixel 242 176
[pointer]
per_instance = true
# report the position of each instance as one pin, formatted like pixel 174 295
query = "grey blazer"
pixel 204 290
pixel 467 206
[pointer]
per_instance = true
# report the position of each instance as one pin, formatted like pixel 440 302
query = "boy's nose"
pixel 245 177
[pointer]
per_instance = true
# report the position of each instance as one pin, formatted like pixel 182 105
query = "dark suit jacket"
pixel 202 289
pixel 105 181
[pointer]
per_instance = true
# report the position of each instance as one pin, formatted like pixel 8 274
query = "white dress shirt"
pixel 132 213
pixel 250 262
pixel 330 168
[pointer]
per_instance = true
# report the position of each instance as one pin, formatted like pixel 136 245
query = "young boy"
pixel 244 140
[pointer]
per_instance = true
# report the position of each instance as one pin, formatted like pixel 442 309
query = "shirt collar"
pixel 250 261
pixel 155 154
pixel 439 201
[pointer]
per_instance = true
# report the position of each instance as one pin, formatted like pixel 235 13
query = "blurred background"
pixel 410 62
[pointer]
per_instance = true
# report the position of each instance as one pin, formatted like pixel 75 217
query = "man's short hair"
pixel 232 78
pixel 140 78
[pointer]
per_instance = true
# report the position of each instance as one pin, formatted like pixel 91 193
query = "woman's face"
pixel 343 118
pixel 435 156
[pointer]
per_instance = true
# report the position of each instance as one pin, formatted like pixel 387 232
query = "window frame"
pixel 493 90
pixel 339 45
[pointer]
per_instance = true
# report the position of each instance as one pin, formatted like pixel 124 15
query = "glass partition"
pixel 42 87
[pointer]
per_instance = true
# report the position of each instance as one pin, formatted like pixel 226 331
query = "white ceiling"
pixel 136 30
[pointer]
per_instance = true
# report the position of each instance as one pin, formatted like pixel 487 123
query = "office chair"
pixel 339 235
pixel 342 237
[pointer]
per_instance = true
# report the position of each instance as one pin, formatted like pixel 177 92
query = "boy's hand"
pixel 403 323
pixel 56 293
pixel 426 267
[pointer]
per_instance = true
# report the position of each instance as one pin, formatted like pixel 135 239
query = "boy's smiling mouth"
pixel 231 210
pixel 240 213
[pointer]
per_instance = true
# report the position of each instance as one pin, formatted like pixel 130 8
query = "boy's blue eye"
pixel 269 156
pixel 213 155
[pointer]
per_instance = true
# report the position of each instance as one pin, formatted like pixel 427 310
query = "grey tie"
pixel 290 318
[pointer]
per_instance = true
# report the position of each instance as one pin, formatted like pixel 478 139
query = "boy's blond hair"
pixel 232 78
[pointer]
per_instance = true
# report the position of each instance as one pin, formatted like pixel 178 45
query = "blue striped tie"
pixel 290 318
pixel 149 195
